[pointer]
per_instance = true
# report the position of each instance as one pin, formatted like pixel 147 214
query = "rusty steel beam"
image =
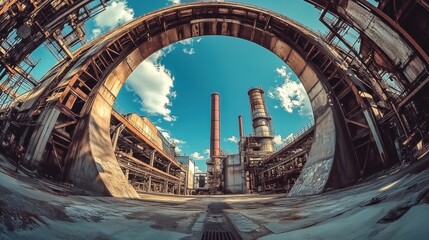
pixel 285 161
pixel 7 6
pixel 147 166
pixel 377 12
pixel 336 7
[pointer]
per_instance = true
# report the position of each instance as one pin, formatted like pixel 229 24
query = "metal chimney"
pixel 261 121
pixel 214 165
pixel 215 126
pixel 240 126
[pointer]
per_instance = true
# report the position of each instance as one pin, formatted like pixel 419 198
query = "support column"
pixel 152 158
pixel 127 173
pixel 186 184
pixel 149 184
pixel 166 186
pixel 116 134
pixel 180 189
pixel 41 136
pixel 168 168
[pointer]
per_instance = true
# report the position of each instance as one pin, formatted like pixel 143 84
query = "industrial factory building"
pixel 257 167
pixel 73 167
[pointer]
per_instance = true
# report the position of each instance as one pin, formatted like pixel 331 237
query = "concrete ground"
pixel 391 205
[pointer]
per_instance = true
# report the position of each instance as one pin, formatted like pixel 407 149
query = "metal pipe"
pixel 240 126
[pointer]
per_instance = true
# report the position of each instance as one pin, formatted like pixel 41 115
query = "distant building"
pixel 189 166
pixel 234 175
pixel 201 183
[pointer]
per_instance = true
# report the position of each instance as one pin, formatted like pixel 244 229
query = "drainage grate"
pixel 216 231
pixel 217 225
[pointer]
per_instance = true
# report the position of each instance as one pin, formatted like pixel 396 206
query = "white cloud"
pixel 278 140
pixel 174 1
pixel 197 169
pixel 207 152
pixel 116 13
pixel 153 84
pixel 170 118
pixel 178 149
pixel 291 94
pixel 232 139
pixel 191 51
pixel 96 32
pixel 197 156
pixel 188 41
pixel 282 72
pixel 177 142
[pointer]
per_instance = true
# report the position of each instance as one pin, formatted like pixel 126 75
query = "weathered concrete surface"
pixel 390 206
pixel 94 167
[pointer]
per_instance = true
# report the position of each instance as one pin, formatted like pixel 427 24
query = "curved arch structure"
pixel 101 67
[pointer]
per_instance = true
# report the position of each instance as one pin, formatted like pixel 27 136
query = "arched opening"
pixel 336 158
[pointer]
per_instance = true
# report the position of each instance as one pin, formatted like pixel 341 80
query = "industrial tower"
pixel 214 164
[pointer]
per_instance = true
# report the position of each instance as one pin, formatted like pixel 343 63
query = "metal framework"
pixel 26 25
pixel 354 117
pixel 147 167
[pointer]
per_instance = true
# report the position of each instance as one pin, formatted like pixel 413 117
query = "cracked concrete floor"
pixel 391 205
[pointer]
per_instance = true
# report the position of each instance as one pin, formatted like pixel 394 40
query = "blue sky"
pixel 173 86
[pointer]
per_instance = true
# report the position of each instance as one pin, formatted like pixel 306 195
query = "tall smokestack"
pixel 261 121
pixel 240 126
pixel 214 165
pixel 215 126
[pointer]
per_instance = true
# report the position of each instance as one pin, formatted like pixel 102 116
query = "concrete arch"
pixel 101 68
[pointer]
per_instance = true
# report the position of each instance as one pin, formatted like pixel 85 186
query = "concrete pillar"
pixel 41 136
pixel 149 184
pixel 166 186
pixel 116 134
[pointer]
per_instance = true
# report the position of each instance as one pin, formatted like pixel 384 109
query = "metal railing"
pixel 296 135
